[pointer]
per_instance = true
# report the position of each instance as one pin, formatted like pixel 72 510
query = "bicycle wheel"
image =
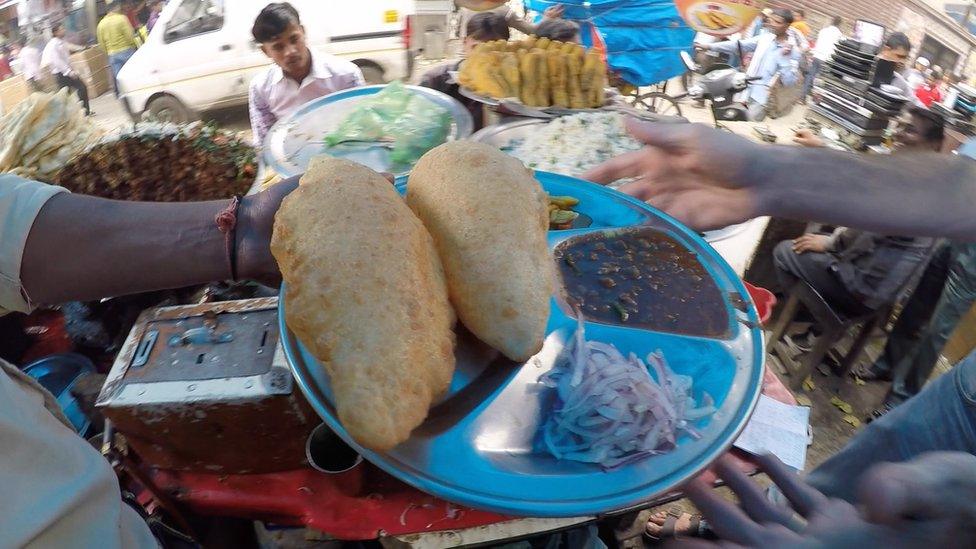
pixel 658 103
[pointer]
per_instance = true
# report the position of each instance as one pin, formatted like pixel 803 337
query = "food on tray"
pixel 715 20
pixel 571 145
pixel 164 163
pixel 561 213
pixel 489 218
pixel 641 278
pixel 538 72
pixel 40 135
pixel 367 296
pixel 608 409
pixel 719 17
pixel 410 121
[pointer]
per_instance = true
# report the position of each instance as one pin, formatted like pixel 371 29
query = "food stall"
pixel 216 408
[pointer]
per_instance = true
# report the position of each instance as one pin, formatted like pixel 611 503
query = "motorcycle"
pixel 718 87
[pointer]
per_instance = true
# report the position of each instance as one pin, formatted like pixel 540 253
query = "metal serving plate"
pixel 504 134
pixel 294 140
pixel 477 445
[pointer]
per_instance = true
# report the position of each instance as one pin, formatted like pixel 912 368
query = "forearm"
pixel 82 248
pixel 909 194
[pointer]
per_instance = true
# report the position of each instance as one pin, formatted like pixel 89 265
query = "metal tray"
pixel 294 140
pixel 502 135
pixel 476 446
pixel 518 108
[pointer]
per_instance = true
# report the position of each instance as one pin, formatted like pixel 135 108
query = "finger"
pixel 752 498
pixel 669 137
pixel 641 190
pixel 389 176
pixel 727 520
pixel 804 499
pixel 624 166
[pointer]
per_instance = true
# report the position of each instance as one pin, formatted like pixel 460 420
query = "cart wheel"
pixel 658 103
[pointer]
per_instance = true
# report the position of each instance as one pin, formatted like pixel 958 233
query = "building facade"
pixel 934 34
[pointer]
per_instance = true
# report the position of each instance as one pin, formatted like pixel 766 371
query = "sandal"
pixel 668 531
pixel 868 373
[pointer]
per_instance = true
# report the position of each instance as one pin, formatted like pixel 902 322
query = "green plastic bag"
pixel 412 122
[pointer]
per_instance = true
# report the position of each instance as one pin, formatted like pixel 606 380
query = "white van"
pixel 200 54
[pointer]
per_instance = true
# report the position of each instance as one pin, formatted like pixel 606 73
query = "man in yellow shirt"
pixel 117 37
pixel 800 23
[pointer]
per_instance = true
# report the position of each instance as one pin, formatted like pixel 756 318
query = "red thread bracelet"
pixel 226 222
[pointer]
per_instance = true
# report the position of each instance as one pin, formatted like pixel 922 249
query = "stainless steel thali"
pixel 294 140
pixel 478 445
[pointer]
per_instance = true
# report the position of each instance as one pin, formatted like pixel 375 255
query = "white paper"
pixel 778 429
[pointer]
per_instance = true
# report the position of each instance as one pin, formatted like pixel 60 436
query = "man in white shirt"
pixel 297 76
pixel 823 50
pixel 56 56
pixel 30 63
pixel 775 56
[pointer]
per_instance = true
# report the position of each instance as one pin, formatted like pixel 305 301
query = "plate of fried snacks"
pixel 516 341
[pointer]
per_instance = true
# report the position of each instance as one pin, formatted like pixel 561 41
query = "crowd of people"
pixel 907 479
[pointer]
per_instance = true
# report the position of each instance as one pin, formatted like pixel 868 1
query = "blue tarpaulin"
pixel 643 37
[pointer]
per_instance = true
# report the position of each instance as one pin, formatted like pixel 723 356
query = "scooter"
pixel 719 87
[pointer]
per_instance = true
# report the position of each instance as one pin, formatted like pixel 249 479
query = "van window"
pixel 195 17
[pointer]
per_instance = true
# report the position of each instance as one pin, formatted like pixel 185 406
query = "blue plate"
pixel 477 445
pixel 295 139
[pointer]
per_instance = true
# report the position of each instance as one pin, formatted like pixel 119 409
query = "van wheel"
pixel 372 74
pixel 167 108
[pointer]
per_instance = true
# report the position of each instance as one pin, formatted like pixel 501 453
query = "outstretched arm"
pixel 82 248
pixel 710 179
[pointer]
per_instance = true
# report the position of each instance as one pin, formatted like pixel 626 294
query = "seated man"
pixel 297 75
pixel 855 271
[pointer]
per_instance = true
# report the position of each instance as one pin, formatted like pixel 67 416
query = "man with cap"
pixel 916 75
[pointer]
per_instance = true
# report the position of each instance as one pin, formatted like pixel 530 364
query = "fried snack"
pixel 538 71
pixel 574 69
pixel 556 63
pixel 510 73
pixel 366 294
pixel 543 86
pixel 529 75
pixel 492 242
pixel 593 79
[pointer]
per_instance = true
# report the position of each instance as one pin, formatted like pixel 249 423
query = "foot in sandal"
pixel 674 523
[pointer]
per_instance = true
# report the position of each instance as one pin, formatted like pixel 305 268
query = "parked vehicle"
pixel 200 55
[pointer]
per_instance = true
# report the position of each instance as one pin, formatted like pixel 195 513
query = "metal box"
pixel 206 388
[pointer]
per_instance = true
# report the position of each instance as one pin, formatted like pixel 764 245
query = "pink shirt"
pixel 274 96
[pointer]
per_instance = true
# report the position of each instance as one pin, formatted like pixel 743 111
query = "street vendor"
pixel 776 56
pixel 297 76
pixel 483 27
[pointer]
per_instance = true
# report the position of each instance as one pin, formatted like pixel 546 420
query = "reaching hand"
pixel 937 488
pixel 697 174
pixel 758 522
pixel 806 138
pixel 255 225
pixel 554 12
pixel 811 243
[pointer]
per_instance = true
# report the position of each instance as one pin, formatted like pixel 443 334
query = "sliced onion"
pixel 610 411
